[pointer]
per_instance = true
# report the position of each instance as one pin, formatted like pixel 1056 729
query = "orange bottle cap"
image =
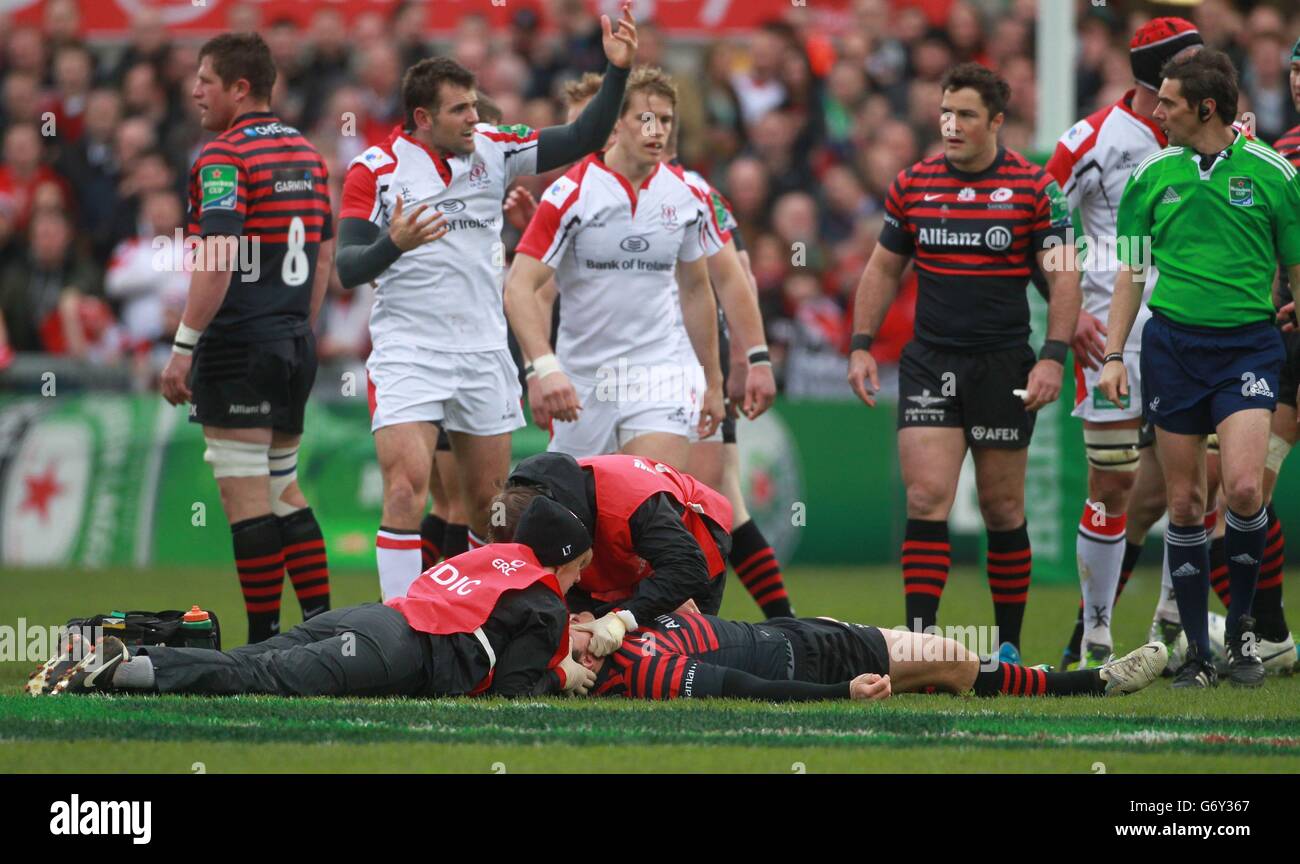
pixel 195 614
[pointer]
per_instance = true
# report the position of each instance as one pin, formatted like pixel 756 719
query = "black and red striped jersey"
pixel 1289 147
pixel 261 181
pixel 973 238
pixel 686 654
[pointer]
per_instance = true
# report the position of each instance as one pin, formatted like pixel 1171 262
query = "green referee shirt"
pixel 1216 236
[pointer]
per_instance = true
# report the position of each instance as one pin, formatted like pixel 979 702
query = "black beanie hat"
pixel 550 529
pixel 1155 43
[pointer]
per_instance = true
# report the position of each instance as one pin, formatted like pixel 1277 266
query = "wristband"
pixel 1109 357
pixel 759 356
pixel 1054 349
pixel 542 366
pixel 185 340
pixel 861 342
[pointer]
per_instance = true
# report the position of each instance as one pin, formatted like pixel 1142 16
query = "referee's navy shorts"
pixel 1194 377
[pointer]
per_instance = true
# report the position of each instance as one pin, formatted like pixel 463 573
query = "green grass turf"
pixel 1158 730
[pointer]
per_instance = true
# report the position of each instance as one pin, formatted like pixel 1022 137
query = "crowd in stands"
pixel 802 130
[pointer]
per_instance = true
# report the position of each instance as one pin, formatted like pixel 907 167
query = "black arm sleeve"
pixel 680 571
pixel 533 622
pixel 560 145
pixel 364 251
pixel 675 676
pixel 742 685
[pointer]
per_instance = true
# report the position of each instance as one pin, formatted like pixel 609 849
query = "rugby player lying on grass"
pixel 685 654
pixel 492 620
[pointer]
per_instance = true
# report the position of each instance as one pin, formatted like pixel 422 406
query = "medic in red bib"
pixel 490 621
pixel 660 538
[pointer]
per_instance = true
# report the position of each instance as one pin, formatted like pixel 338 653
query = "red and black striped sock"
pixel 1132 551
pixel 1219 580
pixel 1011 679
pixel 759 571
pixel 259 559
pixel 926 557
pixel 455 540
pixel 304 559
pixel 1270 620
pixel 1010 563
pixel 433 532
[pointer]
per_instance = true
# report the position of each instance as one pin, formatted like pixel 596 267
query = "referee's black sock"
pixel 1243 543
pixel 455 540
pixel 1189 570
pixel 433 532
pixel 926 557
pixel 1270 620
pixel 1132 551
pixel 759 571
pixel 1010 563
pixel 259 559
pixel 1011 679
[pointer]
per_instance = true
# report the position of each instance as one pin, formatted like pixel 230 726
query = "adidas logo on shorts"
pixel 1258 387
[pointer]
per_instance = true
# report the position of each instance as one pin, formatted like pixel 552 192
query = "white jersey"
pixel 615 262
pixel 1092 163
pixel 726 223
pixel 445 295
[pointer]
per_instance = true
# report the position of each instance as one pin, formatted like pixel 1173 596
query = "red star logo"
pixel 40 489
pixel 761 487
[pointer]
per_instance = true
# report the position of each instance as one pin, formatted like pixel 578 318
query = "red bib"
pixel 623 483
pixel 458 595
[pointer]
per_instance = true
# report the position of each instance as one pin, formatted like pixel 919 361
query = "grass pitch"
pixel 1157 730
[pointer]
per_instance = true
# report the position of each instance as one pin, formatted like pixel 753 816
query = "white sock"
pixel 1100 551
pixel 1167 605
pixel 475 541
pixel 397 554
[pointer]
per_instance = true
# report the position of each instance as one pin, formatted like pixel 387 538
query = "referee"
pixel 1220 210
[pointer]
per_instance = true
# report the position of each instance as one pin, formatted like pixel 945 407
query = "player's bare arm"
pixel 740 306
pixel 548 386
pixel 1123 312
pixel 208 286
pixel 700 315
pixel 1063 305
pixel 876 291
pixel 324 273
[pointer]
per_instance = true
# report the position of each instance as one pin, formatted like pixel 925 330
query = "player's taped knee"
pixel 1112 449
pixel 1278 448
pixel 1212 443
pixel 283 462
pixel 236 458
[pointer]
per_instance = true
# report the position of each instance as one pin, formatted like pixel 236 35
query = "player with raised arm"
pixel 613 230
pixel 689 655
pixel 259 188
pixel 440 356
pixel 974 219
pixel 1210 353
pixel 1092 162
